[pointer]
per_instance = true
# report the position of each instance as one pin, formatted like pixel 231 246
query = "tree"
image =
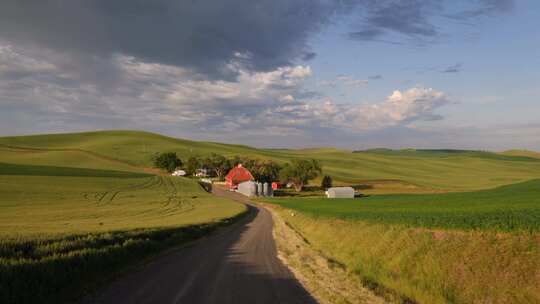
pixel 266 171
pixel 168 161
pixel 206 164
pixel 299 172
pixel 326 182
pixel 192 165
pixel 219 164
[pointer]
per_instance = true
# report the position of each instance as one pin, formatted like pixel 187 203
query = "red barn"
pixel 238 175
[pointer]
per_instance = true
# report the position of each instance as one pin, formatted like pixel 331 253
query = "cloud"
pixel 483 8
pixel 268 108
pixel 400 108
pixel 375 77
pixel 203 36
pixel 154 96
pixel 456 68
pixel 344 80
pixel 309 56
pixel 419 21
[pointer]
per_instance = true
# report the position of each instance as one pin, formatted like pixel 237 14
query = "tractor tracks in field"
pixel 167 194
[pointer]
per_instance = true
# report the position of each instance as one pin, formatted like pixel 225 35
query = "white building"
pixel 340 192
pixel 178 173
pixel 248 188
pixel 251 188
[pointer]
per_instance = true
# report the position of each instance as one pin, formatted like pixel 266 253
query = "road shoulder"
pixel 326 280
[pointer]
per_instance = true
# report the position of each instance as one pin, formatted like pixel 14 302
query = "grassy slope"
pixel 508 208
pixel 525 153
pixel 65 230
pixel 89 200
pixel 429 266
pixel 457 171
pixel 69 219
pixel 40 170
pixel 77 159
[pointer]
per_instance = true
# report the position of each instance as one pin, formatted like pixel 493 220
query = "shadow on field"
pixel 60 270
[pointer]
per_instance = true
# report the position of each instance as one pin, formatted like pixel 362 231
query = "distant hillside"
pixel 435 169
pixel 526 153
pixel 514 155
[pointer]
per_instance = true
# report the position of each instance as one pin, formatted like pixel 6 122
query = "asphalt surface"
pixel 237 265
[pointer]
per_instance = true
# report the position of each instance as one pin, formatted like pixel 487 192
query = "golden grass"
pixel 328 281
pixel 430 266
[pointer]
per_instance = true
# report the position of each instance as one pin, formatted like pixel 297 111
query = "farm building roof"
pixel 237 175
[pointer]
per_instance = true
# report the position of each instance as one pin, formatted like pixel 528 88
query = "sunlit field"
pixel 63 229
pixel 421 170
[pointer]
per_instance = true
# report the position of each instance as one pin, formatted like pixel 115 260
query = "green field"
pixel 458 247
pixel 507 208
pixel 101 201
pixel 64 230
pixel 437 170
pixel 75 209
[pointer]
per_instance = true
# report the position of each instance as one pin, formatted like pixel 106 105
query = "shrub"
pixel 326 182
pixel 168 161
pixel 299 172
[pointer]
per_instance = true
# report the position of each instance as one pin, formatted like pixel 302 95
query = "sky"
pixel 355 74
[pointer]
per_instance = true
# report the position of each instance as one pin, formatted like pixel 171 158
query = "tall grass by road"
pixel 419 265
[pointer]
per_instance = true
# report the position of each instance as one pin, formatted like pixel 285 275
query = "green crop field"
pixel 437 170
pixel 97 200
pixel 462 247
pixel 507 208
pixel 64 229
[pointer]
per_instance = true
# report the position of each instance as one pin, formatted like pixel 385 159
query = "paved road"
pixel 238 265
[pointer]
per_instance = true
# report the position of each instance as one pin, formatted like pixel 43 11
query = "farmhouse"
pixel 340 192
pixel 238 175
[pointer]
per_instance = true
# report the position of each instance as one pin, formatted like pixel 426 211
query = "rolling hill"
pixel 71 218
pixel 77 208
pixel 446 170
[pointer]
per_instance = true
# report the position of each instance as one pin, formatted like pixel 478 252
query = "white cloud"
pixel 151 95
pixel 344 80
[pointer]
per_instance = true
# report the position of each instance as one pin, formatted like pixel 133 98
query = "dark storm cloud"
pixel 201 35
pixel 409 18
pixel 206 36
pixel 420 20
pixel 309 56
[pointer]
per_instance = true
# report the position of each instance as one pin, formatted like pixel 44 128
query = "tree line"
pixel 298 172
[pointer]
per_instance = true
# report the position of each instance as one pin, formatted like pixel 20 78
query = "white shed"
pixel 179 173
pixel 340 192
pixel 248 188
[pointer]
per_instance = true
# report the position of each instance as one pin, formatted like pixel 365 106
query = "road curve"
pixel 238 265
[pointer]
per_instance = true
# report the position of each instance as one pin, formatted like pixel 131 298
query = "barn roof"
pixel 238 174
